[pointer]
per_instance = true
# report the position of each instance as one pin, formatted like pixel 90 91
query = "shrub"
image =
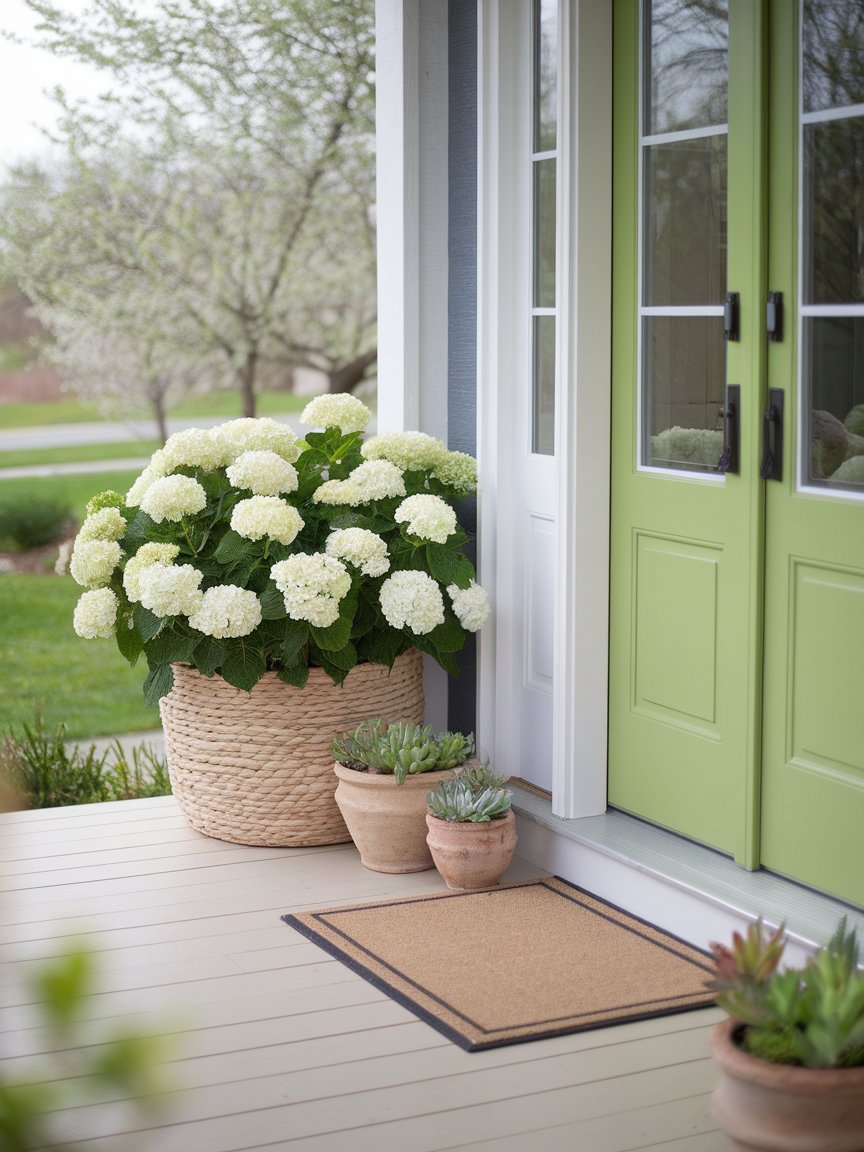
pixel 29 521
pixel 49 773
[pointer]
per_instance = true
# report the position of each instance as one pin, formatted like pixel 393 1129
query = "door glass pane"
pixel 685 222
pixel 834 364
pixel 545 75
pixel 544 385
pixel 683 373
pixel 686 69
pixel 833 74
pixel 834 211
pixel 832 231
pixel 544 234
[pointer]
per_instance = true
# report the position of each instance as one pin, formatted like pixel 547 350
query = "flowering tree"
pixel 229 193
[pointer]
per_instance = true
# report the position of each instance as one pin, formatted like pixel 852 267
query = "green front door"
pixel 738 594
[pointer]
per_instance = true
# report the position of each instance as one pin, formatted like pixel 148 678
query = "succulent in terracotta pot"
pixel 384 773
pixel 471 828
pixel 791 1055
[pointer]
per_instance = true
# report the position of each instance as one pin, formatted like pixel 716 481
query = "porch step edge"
pixel 639 863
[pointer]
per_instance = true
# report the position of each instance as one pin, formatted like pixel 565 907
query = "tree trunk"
pixel 247 383
pixel 346 378
pixel 157 399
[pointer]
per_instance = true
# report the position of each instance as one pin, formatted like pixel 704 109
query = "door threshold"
pixel 684 887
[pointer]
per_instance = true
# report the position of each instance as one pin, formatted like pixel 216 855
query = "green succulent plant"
pixel 401 749
pixel 812 1015
pixel 456 801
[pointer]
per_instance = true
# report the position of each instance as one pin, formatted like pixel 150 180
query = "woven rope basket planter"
pixel 257 767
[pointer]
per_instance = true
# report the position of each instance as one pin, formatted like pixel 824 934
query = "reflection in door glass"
pixel 683 367
pixel 683 239
pixel 686 67
pixel 544 239
pixel 832 231
pixel 833 72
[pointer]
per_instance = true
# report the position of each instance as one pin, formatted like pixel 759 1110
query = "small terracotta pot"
pixel 387 821
pixel 783 1107
pixel 470 855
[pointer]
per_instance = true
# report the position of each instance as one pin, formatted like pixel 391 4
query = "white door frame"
pixel 411 81
pixel 583 402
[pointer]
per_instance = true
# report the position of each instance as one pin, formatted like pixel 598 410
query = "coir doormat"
pixel 521 962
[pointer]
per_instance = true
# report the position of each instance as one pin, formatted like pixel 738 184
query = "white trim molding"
pixel 583 400
pixel 583 446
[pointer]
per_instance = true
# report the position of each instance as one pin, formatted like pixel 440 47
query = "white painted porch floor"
pixel 274 1044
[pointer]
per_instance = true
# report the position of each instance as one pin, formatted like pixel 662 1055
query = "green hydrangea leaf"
pixel 297 675
pixel 159 683
pixel 449 636
pixel 233 549
pixel 272 603
pixel 128 637
pixel 208 655
pixel 148 623
pixel 170 647
pixel 334 637
pixel 343 658
pixel 294 639
pixel 449 566
pixel 244 664
pixel 384 647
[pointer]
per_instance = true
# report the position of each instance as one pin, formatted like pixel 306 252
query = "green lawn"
pixel 68 410
pixel 76 453
pixel 47 669
pixel 77 489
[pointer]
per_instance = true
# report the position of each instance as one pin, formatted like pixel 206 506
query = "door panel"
pixel 738 603
pixel 685 538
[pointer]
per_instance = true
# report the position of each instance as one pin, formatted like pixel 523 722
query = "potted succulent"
pixel 384 772
pixel 280 590
pixel 471 828
pixel 791 1055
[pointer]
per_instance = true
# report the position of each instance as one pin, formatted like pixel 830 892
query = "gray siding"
pixel 462 302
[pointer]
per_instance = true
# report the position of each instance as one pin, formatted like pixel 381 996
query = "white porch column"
pixel 412 201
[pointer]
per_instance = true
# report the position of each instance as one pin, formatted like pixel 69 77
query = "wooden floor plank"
pixel 276 1044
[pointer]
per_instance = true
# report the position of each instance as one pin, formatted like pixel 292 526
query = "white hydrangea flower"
pixel 106 524
pixel 263 474
pixel 93 562
pixel 470 604
pixel 412 600
pixel 364 549
pixel 410 451
pixel 312 585
pixel 171 589
pixel 227 610
pixel 261 516
pixel 338 492
pixel 428 517
pixel 260 434
pixel 172 498
pixel 377 480
pixel 191 448
pixel 343 411
pixel 95 616
pixel 136 493
pixel 457 470
pixel 146 555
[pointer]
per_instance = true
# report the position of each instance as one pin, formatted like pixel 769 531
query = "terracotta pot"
pixel 782 1107
pixel 387 821
pixel 470 855
pixel 257 767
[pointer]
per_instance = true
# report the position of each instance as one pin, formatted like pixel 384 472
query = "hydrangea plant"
pixel 242 549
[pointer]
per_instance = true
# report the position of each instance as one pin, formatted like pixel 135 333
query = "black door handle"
pixel 728 461
pixel 771 467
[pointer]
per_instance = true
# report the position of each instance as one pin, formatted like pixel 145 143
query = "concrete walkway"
pixel 107 431
pixel 128 464
pixel 153 739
